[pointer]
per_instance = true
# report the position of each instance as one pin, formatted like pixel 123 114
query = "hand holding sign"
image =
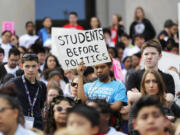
pixel 81 68
pixel 73 46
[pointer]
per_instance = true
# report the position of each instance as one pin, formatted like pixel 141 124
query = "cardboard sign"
pixel 8 26
pixel 73 46
pixel 167 60
pixel 117 70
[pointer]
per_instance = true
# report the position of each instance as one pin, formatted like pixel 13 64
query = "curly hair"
pixel 50 125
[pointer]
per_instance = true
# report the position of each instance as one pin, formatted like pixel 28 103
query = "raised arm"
pixel 81 93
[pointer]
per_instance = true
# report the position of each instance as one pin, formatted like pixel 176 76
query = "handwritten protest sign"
pixel 73 46
pixel 6 25
pixel 117 70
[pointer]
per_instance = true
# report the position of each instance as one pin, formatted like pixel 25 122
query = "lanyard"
pixel 32 104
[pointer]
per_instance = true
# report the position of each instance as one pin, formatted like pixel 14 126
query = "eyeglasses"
pixel 2 109
pixel 60 108
pixel 73 84
pixel 30 55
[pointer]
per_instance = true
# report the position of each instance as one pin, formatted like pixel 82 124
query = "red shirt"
pixel 114 35
pixel 73 26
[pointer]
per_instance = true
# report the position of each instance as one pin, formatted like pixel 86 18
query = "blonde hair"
pixel 135 13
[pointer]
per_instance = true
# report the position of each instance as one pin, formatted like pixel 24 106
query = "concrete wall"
pixel 102 10
pixel 19 11
pixel 156 10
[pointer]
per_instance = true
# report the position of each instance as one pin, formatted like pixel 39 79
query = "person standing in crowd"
pixel 135 61
pixel 15 40
pixel 53 92
pixel 12 65
pixel 5 44
pixel 82 117
pixel 127 62
pixel 32 93
pixel 73 22
pixel 126 40
pixel 114 92
pixel 89 74
pixel 142 25
pixel 95 23
pixel 28 39
pixel 149 116
pixel 107 37
pixel 51 62
pixel 166 34
pixel 39 50
pixel 138 41
pixel 153 84
pixel 45 32
pixel 117 28
pixel 71 88
pixel 11 118
pixel 1 55
pixel 105 112
pixel 56 117
pixel 151 54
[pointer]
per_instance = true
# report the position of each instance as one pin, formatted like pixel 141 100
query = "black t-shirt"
pixel 134 81
pixel 23 98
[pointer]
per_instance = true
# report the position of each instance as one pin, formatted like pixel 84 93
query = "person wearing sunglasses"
pixel 72 88
pixel 57 114
pixel 32 91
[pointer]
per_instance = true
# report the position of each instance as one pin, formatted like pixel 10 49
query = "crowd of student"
pixel 37 94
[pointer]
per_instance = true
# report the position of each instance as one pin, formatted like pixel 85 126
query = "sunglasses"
pixel 73 84
pixel 30 55
pixel 60 108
